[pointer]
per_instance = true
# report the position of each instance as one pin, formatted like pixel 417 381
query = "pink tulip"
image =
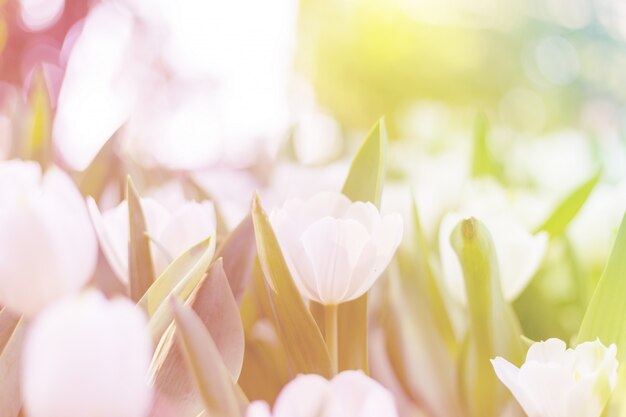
pixel 87 356
pixel 47 245
pixel 349 394
pixel 335 249
pixel 172 232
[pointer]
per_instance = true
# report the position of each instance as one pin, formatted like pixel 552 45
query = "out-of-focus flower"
pixel 559 382
pixel 349 394
pixel 172 232
pixel 185 112
pixel 555 163
pixel 518 251
pixel 335 249
pixel 47 245
pixel 87 356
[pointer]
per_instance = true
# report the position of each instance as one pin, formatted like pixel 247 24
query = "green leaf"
pixel 301 337
pixel 482 161
pixel 367 171
pixel 104 168
pixel 39 142
pixel 493 327
pixel 185 273
pixel 141 270
pixel 186 270
pixel 605 317
pixel 426 371
pixel 213 381
pixel 423 282
pixel 239 251
pixel 566 211
pixel 364 183
pixel 10 354
pixel 215 305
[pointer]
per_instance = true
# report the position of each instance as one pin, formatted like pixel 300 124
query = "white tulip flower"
pixel 518 251
pixel 172 232
pixel 48 248
pixel 335 249
pixel 87 356
pixel 559 382
pixel 349 394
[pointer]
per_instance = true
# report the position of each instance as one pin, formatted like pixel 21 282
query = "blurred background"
pixel 275 96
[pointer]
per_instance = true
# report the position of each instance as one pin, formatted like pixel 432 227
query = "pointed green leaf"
pixel 493 327
pixel 367 172
pixel 140 268
pixel 215 305
pixel 302 338
pixel 605 317
pixel 426 371
pixel 186 270
pixel 482 161
pixel 102 169
pixel 213 381
pixel 39 143
pixel 189 279
pixel 606 313
pixel 364 183
pixel 238 251
pixel 423 282
pixel 566 211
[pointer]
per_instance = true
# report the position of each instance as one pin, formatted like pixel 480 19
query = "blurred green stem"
pixel 330 325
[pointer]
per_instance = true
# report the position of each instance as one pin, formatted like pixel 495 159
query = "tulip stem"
pixel 330 327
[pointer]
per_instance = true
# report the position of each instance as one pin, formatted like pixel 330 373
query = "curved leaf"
pixel 493 327
pixel 140 268
pixel 566 211
pixel 212 380
pixel 215 305
pixel 191 264
pixel 238 252
pixel 188 282
pixel 302 338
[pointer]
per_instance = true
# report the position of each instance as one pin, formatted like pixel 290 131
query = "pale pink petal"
pixel 87 356
pixel 509 375
pixel 356 395
pixel 258 409
pixel 334 247
pixel 305 396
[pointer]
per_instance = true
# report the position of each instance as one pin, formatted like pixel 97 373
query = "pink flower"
pixel 349 394
pixel 335 249
pixel 87 356
pixel 48 248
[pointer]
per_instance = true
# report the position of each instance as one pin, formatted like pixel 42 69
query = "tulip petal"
pixel 551 350
pixel 509 375
pixel 354 394
pixel 333 247
pixel 258 409
pixel 305 396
